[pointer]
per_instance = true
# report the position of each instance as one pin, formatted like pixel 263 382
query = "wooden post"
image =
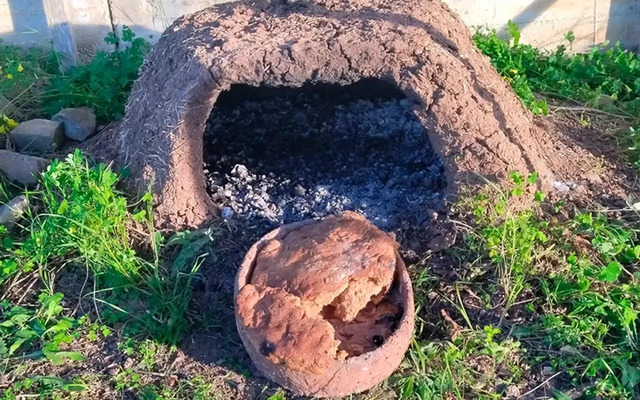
pixel 61 33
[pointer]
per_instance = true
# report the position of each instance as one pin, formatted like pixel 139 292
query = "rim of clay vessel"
pixel 343 377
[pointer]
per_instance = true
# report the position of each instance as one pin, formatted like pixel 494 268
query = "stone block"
pixel 37 136
pixel 78 123
pixel 22 168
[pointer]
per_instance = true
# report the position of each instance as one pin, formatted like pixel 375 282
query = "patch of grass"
pixel 537 299
pixel 32 84
pixel 278 395
pixel 23 75
pixel 512 240
pixel 590 312
pixel 78 220
pixel 196 388
pixel 605 76
pixel 44 387
pixel 43 329
pixel 472 364
pixel 104 83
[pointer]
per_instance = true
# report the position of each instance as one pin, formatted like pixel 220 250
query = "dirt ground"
pixel 593 169
pixel 588 169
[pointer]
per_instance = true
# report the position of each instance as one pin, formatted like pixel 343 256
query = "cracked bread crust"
pixel 343 261
pixel 283 332
pixel 324 276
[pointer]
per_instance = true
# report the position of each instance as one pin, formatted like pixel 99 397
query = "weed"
pixel 23 75
pixel 6 124
pixel 44 387
pixel 84 222
pixel 43 330
pixel 279 395
pixel 32 84
pixel 455 368
pixel 597 334
pixel 511 240
pixel 104 83
pixel 609 72
pixel 579 319
pixel 196 388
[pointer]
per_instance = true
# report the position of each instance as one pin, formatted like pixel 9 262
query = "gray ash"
pixel 275 156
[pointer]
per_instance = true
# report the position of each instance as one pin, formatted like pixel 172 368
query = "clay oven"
pixel 475 123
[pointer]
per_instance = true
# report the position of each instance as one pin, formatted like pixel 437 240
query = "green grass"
pixel 553 306
pixel 135 280
pixel 607 77
pixel 80 221
pixel 34 86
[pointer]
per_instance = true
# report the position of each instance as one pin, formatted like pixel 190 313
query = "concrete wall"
pixel 37 22
pixel 543 22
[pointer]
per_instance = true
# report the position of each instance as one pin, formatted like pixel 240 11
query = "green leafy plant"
pixel 23 75
pixel 447 369
pixel 606 76
pixel 602 301
pixel 512 240
pixel 197 388
pixel 83 222
pixel 43 330
pixel 104 83
pixel 44 387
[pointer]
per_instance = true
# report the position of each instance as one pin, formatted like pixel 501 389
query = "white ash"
pixel 303 155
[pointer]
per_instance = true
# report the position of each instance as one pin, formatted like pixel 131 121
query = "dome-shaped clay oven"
pixel 474 120
pixel 312 373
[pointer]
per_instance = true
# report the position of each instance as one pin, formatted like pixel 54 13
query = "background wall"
pixel 77 27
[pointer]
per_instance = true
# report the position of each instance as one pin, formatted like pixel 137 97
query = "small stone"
pixel 22 168
pixel 512 392
pixel 441 242
pixel 240 171
pixel 38 135
pixel 547 370
pixel 300 190
pixel 560 186
pixel 78 123
pixel 226 213
pixel 11 212
pixel 129 363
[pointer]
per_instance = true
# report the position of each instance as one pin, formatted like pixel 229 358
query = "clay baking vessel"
pixel 343 377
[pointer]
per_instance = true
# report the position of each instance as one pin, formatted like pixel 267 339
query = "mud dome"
pixel 275 156
pixel 474 120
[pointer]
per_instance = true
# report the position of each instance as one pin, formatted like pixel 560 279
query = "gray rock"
pixel 226 213
pixel 38 135
pixel 300 190
pixel 11 212
pixel 79 123
pixel 22 168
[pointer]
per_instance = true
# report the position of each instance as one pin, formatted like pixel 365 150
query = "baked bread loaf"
pixel 319 294
pixel 343 261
